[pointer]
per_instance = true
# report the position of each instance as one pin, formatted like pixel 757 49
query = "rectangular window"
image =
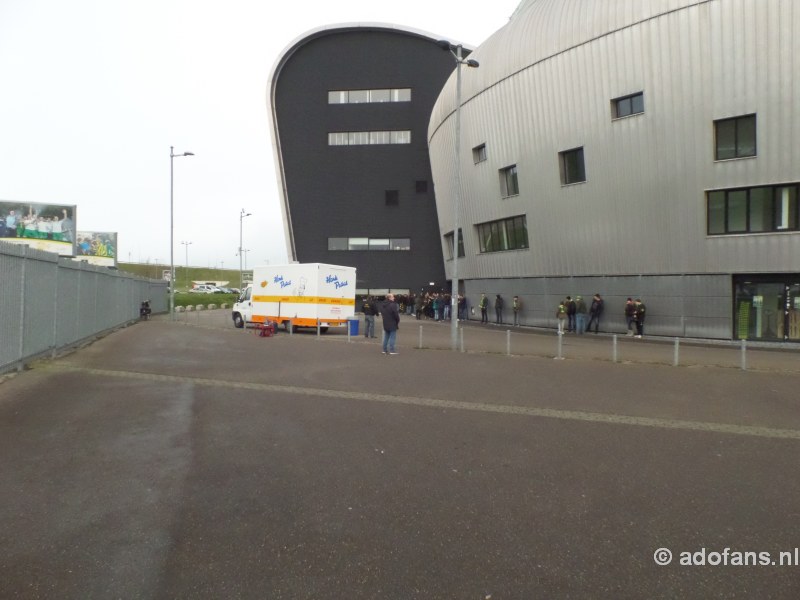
pixel 358 244
pixel 369 96
pixel 379 137
pixel 363 138
pixel 401 137
pixel 479 153
pixel 337 243
pixel 380 95
pixel 338 138
pixel 337 97
pixel 401 244
pixel 505 234
pixel 572 166
pixel 401 95
pixel 448 239
pixel 760 209
pixel 358 96
pixel 392 197
pixel 379 244
pixel 627 106
pixel 509 185
pixel 735 138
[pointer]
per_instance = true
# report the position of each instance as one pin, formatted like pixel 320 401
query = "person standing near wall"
pixel 580 314
pixel 390 314
pixel 484 305
pixel 639 317
pixel 516 305
pixel 630 315
pixel 571 308
pixel 498 309
pixel 595 312
pixel 561 315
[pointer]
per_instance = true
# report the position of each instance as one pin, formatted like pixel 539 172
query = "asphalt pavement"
pixel 192 460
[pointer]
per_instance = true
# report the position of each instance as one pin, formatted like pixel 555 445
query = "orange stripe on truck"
pixel 306 300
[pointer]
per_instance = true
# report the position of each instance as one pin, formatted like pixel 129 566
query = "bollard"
pixel 744 355
pixel 461 338
pixel 508 342
pixel 560 342
pixel 347 323
pixel 420 337
pixel 676 355
pixel 614 348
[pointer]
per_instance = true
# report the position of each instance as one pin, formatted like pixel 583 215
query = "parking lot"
pixel 189 459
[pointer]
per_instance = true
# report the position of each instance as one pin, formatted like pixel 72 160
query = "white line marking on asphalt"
pixel 550 413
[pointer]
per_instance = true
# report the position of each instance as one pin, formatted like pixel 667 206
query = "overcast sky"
pixel 94 92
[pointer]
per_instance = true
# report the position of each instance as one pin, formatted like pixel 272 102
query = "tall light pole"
pixel 172 156
pixel 186 246
pixel 456 51
pixel 242 215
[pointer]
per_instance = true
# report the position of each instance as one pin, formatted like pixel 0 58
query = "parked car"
pixel 204 289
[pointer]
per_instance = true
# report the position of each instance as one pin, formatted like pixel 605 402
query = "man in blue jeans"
pixel 390 313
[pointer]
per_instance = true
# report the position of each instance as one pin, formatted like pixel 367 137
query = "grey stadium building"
pixel 633 149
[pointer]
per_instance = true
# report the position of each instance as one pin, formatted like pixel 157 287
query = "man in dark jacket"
pixel 369 317
pixel 595 312
pixel 390 313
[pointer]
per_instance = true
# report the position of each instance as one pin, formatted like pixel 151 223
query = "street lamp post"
pixel 242 215
pixel 456 51
pixel 186 246
pixel 172 156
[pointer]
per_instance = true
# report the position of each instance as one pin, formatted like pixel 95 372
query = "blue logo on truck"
pixel 279 280
pixel 334 279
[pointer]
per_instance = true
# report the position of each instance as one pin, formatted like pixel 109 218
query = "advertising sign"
pixel 97 248
pixel 49 227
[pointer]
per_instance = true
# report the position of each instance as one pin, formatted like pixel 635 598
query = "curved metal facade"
pixel 547 84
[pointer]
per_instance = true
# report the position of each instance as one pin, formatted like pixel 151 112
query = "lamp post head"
pixel 444 45
pixel 188 154
pixel 472 63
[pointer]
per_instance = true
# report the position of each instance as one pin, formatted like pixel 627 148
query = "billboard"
pixel 97 247
pixel 49 227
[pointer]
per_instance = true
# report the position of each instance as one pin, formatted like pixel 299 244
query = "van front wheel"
pixel 238 322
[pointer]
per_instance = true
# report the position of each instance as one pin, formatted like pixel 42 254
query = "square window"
pixel 479 154
pixel 401 95
pixel 392 197
pixel 735 138
pixel 509 184
pixel 572 166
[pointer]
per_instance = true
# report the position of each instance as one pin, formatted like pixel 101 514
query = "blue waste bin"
pixel 352 325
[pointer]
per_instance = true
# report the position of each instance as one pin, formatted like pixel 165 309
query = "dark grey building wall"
pixel 339 191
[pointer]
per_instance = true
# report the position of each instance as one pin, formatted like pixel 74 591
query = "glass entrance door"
pixel 767 310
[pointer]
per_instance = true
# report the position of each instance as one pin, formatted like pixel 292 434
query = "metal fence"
pixel 49 303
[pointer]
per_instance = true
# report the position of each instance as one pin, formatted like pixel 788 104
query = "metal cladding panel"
pixel 546 85
pixel 680 305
